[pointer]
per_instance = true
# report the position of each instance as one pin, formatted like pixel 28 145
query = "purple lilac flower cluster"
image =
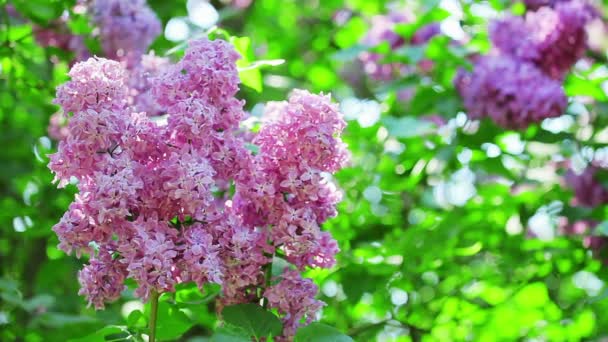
pixel 513 93
pixel 154 200
pixel 127 46
pixel 520 82
pixel 126 28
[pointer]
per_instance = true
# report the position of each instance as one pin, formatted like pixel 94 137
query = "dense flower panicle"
pixel 520 82
pixel 551 38
pixel 511 36
pixel 102 280
pixel 302 133
pixel 288 189
pixel 207 69
pixel 126 28
pixel 560 36
pixel 157 197
pixel 294 297
pixel 513 93
pixel 96 83
pixel 202 260
pixel 150 256
pixel 77 229
pixel 588 191
pixel 140 84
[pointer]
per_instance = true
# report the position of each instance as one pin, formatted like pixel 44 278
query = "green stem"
pixel 267 276
pixel 153 314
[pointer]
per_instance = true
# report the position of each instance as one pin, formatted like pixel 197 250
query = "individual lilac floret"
pixel 588 191
pixel 294 298
pixel 126 28
pixel 513 93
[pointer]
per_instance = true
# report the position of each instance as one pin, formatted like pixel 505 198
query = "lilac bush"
pixel 126 28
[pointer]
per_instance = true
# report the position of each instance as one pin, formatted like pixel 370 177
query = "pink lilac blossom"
pixel 289 188
pixel 102 279
pixel 140 83
pixel 58 126
pixel 126 28
pixel 294 297
pixel 155 198
pixel 513 93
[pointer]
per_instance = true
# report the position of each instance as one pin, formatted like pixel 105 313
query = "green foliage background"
pixel 410 267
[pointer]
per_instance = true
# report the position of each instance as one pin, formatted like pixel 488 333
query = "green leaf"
pixel 317 332
pixel 136 319
pixel 40 11
pixel 105 334
pixel 172 322
pixel 250 77
pixel 576 85
pixel 351 32
pixel 256 321
pixel 230 333
pixel 261 63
